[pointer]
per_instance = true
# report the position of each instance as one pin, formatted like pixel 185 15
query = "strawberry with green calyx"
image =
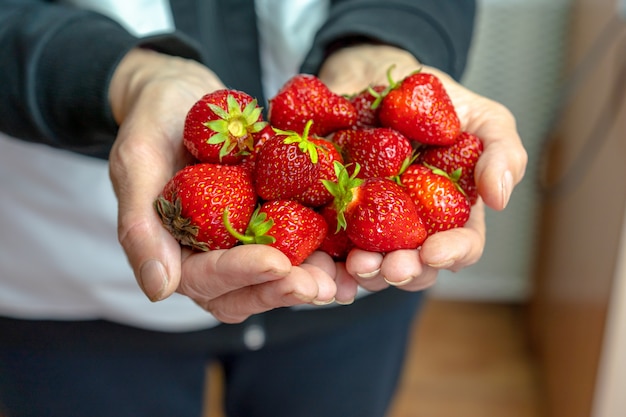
pixel 191 204
pixel 305 97
pixel 420 108
pixel 440 201
pixel 316 194
pixel 286 165
pixel 363 102
pixel 256 231
pixel 286 225
pixel 462 155
pixel 380 152
pixel 223 127
pixel 263 136
pixel 336 243
pixel 377 214
pixel 378 94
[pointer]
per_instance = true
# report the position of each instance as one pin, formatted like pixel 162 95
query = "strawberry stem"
pixel 454 176
pixel 256 231
pixel 380 96
pixel 304 144
pixel 405 164
pixel 342 190
pixel 392 86
pixel 228 225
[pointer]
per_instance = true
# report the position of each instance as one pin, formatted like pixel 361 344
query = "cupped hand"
pixel 150 94
pixel 500 168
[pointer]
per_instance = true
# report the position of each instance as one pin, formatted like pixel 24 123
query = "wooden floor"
pixel 469 360
pixel 466 360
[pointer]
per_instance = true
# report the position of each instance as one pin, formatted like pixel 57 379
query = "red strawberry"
pixel 222 127
pixel 193 201
pixel 316 194
pixel 305 97
pixel 263 136
pixel 461 155
pixel 287 225
pixel 419 107
pixel 336 243
pixel 440 202
pixel 380 152
pixel 367 114
pixel 377 214
pixel 286 165
pixel 342 137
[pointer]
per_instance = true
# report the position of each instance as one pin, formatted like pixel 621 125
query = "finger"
pixel 326 286
pixel 363 264
pixel 457 248
pixel 364 267
pixel 209 275
pixel 347 286
pixel 326 269
pixel 152 252
pixel 296 288
pixel 375 284
pixel 426 279
pixel 323 261
pixel 503 162
pixel 402 268
pixel 499 169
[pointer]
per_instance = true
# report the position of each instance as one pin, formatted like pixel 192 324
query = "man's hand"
pixel 500 168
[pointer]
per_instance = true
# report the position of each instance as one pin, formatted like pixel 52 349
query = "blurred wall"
pixel 579 249
pixel 516 59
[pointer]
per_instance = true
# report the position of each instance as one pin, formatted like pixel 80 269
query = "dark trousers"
pixel 340 361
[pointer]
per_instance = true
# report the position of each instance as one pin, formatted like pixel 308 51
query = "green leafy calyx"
pixel 304 144
pixel 343 190
pixel 453 176
pixel 257 229
pixel 234 126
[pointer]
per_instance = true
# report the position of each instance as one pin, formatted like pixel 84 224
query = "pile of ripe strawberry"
pixel 380 170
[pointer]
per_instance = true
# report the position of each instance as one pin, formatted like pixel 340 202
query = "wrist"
pixel 125 78
pixel 144 70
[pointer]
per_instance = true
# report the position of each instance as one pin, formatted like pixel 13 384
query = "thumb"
pixel 154 255
pixel 138 173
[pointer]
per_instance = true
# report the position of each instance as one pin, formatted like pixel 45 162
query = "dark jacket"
pixel 56 61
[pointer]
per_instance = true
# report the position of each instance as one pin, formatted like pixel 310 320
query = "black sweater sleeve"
pixel 437 32
pixel 56 63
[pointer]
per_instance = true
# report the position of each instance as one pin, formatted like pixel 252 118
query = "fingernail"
pixel 367 275
pixel 442 265
pixel 153 279
pixel 323 302
pixel 398 283
pixel 346 302
pixel 507 187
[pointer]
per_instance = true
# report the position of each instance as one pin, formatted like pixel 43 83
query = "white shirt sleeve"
pixel 140 17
